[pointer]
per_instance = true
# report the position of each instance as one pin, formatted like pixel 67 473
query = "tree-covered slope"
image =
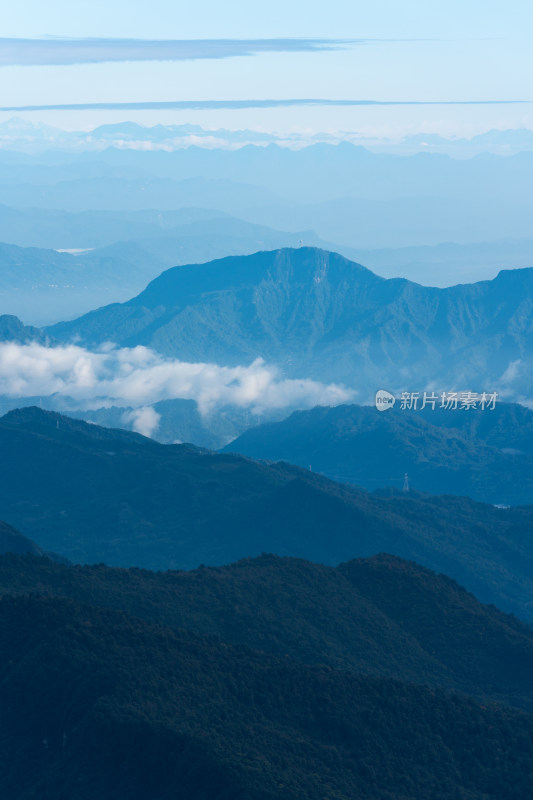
pixel 94 494
pixel 97 704
pixel 380 616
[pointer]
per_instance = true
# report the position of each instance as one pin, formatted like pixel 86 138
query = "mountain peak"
pixel 516 275
pixel 314 314
pixel 292 267
pixel 12 329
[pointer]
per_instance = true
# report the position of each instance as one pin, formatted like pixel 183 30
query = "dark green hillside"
pixel 381 616
pixel 96 704
pixel 95 494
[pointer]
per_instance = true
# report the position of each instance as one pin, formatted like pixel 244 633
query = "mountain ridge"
pixel 95 494
pixel 487 455
pixel 380 616
pixel 316 314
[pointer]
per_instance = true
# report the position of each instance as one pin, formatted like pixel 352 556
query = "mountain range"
pixel 343 192
pixel 94 494
pixel 380 616
pixel 95 703
pixel 315 314
pixel 376 679
pixel 487 455
pixel 21 136
pixel 274 618
pixel 151 241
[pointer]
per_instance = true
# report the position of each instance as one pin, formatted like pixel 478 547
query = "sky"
pixel 383 51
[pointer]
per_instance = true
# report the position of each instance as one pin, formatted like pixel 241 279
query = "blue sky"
pixel 403 51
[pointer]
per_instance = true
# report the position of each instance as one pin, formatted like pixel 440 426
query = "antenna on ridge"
pixel 406 482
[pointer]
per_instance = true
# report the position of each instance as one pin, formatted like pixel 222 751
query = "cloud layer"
pixel 206 105
pixel 139 377
pixel 54 52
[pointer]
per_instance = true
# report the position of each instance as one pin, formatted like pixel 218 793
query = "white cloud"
pixel 513 372
pixel 138 377
pixel 144 420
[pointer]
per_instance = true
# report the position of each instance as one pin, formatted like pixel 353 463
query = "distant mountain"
pixel 21 136
pixel 95 494
pixel 151 240
pixel 318 315
pixel 155 240
pixel 343 192
pixel 179 421
pixel 445 264
pixel 44 285
pixel 56 229
pixel 380 616
pixel 487 455
pixel 30 137
pixel 136 193
pixel 13 330
pixel 493 141
pixel 31 269
pixel 398 220
pixel 95 703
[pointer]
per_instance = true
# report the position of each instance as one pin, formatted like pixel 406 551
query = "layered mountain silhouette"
pixel 380 616
pixel 95 494
pixel 487 455
pixel 318 315
pixel 343 192
pixel 95 703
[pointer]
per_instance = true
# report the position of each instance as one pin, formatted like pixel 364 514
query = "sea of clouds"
pixel 138 377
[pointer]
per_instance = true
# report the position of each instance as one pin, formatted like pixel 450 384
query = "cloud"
pixel 57 51
pixel 138 377
pixel 203 105
pixel 513 372
pixel 144 420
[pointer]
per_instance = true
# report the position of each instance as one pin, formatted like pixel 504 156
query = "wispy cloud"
pixel 144 420
pixel 200 105
pixel 137 377
pixel 55 51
